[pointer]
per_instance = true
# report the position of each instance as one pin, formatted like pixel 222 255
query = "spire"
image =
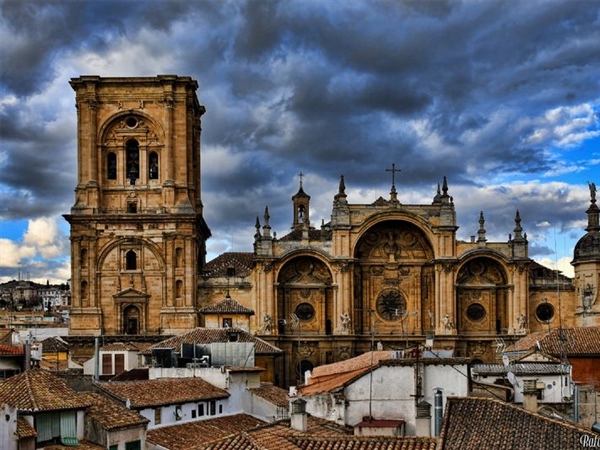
pixel 340 197
pixel 481 233
pixel 518 229
pixel 438 196
pixel 267 227
pixel 301 207
pixel 257 226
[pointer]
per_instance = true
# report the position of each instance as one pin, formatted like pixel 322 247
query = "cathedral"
pixel 379 275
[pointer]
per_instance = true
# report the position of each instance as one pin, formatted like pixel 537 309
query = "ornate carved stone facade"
pixel 137 231
pixel 387 275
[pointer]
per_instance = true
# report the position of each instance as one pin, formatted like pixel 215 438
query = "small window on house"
pixel 107 367
pixel 130 260
pixel 200 409
pixel 133 445
pixel 111 166
pixel 193 413
pixel 157 418
pixel 178 413
pixel 213 408
pixel 119 363
pixel 220 409
pixel 114 447
pixel 231 271
pixel 227 322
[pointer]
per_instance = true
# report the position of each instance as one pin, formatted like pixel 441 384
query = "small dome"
pixel 588 247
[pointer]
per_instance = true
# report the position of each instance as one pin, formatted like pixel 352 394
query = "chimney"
pixel 439 403
pixel 298 416
pixel 530 395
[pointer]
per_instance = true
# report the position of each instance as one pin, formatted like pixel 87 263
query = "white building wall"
pixel 8 428
pixel 388 393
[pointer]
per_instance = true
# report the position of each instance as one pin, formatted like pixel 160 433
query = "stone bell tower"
pixel 137 231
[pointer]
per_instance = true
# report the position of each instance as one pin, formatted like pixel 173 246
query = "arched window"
pixel 130 260
pixel 84 290
pixel 179 289
pixel 111 166
pixel 132 148
pixel 153 166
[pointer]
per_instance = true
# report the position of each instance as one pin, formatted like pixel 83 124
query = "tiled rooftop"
pixel 39 390
pixel 522 369
pixel 11 350
pixel 54 345
pixel 112 415
pixel 272 394
pixel 24 429
pixel 121 347
pixel 489 424
pixel 210 335
pixel 227 306
pixel 242 262
pixel 581 341
pixel 279 436
pixel 365 443
pixel 197 434
pixel 163 391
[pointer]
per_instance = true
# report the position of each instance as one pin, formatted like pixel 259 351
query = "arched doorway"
pixel 482 297
pixel 131 320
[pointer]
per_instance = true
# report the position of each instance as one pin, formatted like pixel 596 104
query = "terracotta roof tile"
pixel 581 341
pixel 227 306
pixel 490 424
pixel 121 347
pixel 272 394
pixel 210 335
pixel 11 350
pixel 366 443
pixel 532 368
pixel 112 415
pixel 24 429
pixel 40 390
pixel 242 262
pixel 198 434
pixel 54 345
pixel 279 436
pixel 83 445
pixel 163 391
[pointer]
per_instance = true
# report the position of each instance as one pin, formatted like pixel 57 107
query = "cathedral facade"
pixel 380 275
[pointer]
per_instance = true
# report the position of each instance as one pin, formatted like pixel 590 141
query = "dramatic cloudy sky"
pixel 502 97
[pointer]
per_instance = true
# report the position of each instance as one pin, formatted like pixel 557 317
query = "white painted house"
pixel 351 391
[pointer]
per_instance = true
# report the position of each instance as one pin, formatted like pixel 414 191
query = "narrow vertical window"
pixel 132 149
pixel 111 166
pixel 179 289
pixel 153 166
pixel 83 258
pixel 178 257
pixel 130 260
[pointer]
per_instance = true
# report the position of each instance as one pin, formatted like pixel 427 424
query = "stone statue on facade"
pixel 345 323
pixel 267 324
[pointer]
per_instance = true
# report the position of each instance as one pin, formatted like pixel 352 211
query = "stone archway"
pixel 394 278
pixel 131 319
pixel 481 297
pixel 304 297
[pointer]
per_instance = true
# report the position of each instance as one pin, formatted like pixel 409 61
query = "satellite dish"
pixel 512 379
pixel 505 360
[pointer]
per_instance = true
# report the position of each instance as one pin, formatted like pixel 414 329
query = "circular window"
pixel 131 122
pixel 305 311
pixel 476 312
pixel 391 305
pixel 544 312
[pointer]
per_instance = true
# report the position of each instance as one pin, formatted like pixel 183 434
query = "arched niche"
pixel 393 256
pixel 304 297
pixel 481 297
